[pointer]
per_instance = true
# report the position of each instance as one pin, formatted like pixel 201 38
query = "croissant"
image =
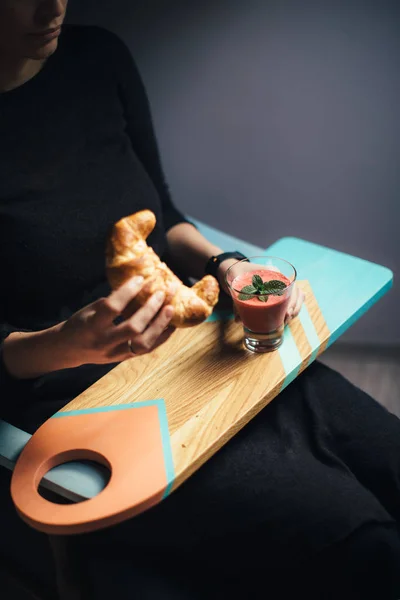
pixel 127 255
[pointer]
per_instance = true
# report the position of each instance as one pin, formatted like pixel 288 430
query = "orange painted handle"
pixel 128 442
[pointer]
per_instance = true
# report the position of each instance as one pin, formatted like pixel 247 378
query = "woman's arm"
pixel 22 352
pixel 189 251
pixel 27 355
pixel 90 336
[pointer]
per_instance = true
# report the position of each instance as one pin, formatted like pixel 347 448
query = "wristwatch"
pixel 214 262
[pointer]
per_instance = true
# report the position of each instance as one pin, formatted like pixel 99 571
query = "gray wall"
pixel 287 109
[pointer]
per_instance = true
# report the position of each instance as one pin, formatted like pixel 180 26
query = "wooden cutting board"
pixel 154 420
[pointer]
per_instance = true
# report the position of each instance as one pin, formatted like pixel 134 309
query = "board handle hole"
pixel 73 476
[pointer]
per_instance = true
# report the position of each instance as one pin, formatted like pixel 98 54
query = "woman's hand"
pixel 296 299
pixel 91 336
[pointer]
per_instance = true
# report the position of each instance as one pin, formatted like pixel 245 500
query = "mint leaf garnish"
pixel 274 287
pixel 257 282
pixel 248 289
pixel 262 290
pixel 247 292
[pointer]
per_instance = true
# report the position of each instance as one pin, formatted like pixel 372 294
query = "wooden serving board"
pixel 154 420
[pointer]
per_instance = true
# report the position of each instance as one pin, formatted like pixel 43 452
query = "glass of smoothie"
pixel 261 287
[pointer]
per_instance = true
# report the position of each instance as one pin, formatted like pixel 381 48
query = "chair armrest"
pixel 225 241
pixel 74 481
pixel 12 442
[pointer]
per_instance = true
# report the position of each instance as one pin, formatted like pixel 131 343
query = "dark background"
pixel 277 118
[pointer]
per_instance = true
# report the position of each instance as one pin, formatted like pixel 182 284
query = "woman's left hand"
pixel 296 299
pixel 295 304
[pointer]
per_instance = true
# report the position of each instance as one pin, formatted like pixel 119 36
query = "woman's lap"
pixel 363 566
pixel 295 478
pixel 363 434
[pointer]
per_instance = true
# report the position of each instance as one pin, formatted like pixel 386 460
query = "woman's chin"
pixel 43 51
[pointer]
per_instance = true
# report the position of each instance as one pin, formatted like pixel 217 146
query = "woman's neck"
pixel 16 72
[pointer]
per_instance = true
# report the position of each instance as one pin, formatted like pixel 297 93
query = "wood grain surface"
pixel 203 374
pixel 210 386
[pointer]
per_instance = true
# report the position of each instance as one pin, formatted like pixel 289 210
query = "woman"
pixel 307 496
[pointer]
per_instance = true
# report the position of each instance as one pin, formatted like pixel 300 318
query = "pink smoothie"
pixel 261 317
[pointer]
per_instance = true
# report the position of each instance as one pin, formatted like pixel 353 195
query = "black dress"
pixel 314 477
pixel 77 153
pixel 304 502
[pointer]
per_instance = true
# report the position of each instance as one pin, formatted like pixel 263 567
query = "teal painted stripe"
pixel 100 409
pixel 310 332
pixel 313 356
pixel 309 328
pixel 290 357
pixel 163 420
pixel 167 450
pixel 220 315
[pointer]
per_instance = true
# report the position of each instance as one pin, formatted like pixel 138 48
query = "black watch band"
pixel 214 262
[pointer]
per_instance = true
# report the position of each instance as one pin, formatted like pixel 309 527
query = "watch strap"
pixel 214 261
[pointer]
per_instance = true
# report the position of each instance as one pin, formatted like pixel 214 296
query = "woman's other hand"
pixel 296 302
